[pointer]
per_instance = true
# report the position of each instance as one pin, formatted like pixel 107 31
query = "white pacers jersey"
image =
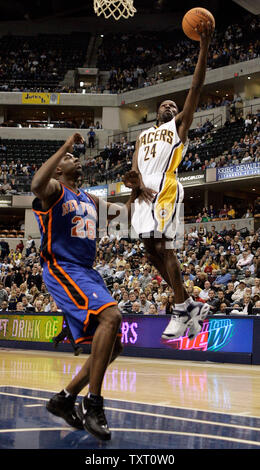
pixel 160 153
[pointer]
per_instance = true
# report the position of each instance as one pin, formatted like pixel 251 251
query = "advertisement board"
pixel 122 189
pixel 192 179
pixel 39 328
pixel 99 191
pixel 236 337
pixel 238 171
pixel 218 334
pixel 40 98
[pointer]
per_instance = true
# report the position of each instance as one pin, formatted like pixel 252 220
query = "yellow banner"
pixel 121 188
pixel 40 98
pixel 40 328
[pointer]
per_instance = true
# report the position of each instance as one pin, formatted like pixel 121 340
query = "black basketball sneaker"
pixel 78 351
pixel 91 413
pixel 64 407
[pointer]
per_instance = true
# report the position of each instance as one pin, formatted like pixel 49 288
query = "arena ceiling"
pixel 42 10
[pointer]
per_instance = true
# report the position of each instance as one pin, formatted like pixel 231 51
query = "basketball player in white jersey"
pixel 159 151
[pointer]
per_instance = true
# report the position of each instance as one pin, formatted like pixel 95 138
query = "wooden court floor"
pixel 149 403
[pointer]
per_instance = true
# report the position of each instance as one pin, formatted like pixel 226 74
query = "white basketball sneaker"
pixel 178 325
pixel 198 311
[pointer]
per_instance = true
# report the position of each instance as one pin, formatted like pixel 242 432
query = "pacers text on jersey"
pixel 164 135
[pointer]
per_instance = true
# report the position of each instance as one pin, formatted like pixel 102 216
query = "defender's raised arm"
pixel 44 185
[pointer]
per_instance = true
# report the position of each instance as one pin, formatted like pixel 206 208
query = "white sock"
pixel 185 304
pixel 181 306
pixel 189 301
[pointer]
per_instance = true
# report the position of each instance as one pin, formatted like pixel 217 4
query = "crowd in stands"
pixel 227 212
pixel 244 149
pixel 219 267
pixel 39 63
pixel 58 123
pixel 128 57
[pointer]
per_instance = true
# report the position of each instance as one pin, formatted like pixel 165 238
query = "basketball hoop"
pixel 116 8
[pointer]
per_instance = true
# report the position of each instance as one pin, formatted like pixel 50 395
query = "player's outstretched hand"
pixel 146 194
pixel 131 180
pixel 72 140
pixel 206 33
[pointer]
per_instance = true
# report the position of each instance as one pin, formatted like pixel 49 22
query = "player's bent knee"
pixel 112 317
pixel 116 317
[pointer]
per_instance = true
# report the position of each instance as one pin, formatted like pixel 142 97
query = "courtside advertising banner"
pixel 40 328
pixel 217 334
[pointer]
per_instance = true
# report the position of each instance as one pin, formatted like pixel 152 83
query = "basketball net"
pixel 116 8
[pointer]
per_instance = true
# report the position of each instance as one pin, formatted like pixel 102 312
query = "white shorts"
pixel 163 215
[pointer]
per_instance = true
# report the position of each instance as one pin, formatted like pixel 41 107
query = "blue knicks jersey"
pixel 68 228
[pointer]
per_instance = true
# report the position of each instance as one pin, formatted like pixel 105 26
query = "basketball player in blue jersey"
pixel 159 151
pixel 67 218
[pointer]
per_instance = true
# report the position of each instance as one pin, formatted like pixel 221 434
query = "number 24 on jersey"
pixel 148 150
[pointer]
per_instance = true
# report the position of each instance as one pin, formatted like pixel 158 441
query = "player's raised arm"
pixel 185 117
pixel 44 185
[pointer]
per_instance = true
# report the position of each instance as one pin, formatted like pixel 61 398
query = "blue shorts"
pixel 80 293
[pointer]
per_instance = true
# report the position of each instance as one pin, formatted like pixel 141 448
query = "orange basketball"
pixel 192 19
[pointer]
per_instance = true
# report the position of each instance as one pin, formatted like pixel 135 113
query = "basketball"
pixel 192 19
